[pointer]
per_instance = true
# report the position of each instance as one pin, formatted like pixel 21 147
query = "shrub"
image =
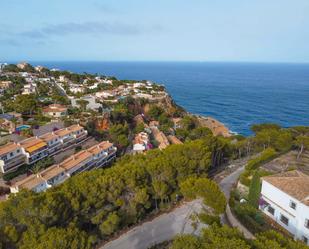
pixel 265 156
pixel 209 219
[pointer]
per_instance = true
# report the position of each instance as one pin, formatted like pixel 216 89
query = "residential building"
pixel 22 65
pixel 31 150
pixel 159 137
pixel 62 78
pixel 94 157
pixel 47 178
pixel 29 89
pixel 9 121
pixel 11 157
pixel 5 84
pixel 34 148
pixel 55 111
pixel 141 142
pixel 285 199
pixel 103 153
pixel 53 142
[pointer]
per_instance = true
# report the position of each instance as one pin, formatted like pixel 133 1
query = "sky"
pixel 155 30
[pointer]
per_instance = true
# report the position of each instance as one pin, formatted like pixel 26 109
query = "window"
pixel 292 204
pixel 271 210
pixel 305 240
pixel 11 154
pixel 18 151
pixel 307 223
pixel 284 220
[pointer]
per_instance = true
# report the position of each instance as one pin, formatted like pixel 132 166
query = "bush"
pixel 250 217
pixel 209 219
pixel 265 156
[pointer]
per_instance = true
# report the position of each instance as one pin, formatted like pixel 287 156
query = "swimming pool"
pixel 22 127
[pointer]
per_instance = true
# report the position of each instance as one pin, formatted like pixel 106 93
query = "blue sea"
pixel 237 94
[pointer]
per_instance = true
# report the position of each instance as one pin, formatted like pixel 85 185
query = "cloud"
pixel 88 28
pixel 92 28
pixel 41 35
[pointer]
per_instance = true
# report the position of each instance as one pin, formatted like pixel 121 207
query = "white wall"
pixel 280 201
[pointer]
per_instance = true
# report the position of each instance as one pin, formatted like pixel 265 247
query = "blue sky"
pixel 160 30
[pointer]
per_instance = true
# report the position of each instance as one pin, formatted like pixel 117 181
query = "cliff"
pixel 214 125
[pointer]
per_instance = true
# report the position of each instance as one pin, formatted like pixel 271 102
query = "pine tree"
pixel 255 190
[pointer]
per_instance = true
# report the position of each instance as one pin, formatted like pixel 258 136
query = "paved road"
pixel 166 226
pixel 227 183
pixel 158 230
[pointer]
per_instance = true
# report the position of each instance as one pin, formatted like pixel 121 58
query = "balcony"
pixel 13 163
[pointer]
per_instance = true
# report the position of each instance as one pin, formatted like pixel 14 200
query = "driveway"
pixel 160 229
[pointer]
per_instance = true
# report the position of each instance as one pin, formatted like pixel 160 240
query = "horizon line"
pixel 156 61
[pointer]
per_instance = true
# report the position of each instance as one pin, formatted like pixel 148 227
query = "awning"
pixel 36 147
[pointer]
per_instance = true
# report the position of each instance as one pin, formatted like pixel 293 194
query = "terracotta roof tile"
pixel 8 148
pixel 294 183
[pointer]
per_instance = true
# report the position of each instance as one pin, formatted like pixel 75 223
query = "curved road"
pixel 160 229
pixel 168 225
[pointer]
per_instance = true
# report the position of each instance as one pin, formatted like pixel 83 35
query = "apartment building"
pixel 11 157
pixel 285 199
pixel 33 149
pixel 94 157
pixel 47 178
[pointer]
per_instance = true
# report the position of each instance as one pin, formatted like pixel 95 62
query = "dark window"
pixel 293 204
pixel 307 223
pixel 271 210
pixel 11 154
pixel 284 220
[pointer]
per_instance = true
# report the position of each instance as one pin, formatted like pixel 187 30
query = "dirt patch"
pixel 289 161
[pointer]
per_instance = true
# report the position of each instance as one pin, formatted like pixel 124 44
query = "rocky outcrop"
pixel 214 125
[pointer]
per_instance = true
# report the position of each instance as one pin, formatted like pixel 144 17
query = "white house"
pixel 285 198
pixel 29 89
pixel 55 111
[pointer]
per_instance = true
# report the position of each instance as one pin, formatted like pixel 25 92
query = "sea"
pixel 237 94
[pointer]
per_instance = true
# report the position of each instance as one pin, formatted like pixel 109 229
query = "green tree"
pixel 25 103
pixel 110 224
pixel 255 190
pixel 82 103
pixel 155 112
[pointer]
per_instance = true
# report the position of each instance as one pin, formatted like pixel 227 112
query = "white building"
pixel 29 89
pixel 55 111
pixel 285 198
pixel 141 142
pixel 95 157
pixel 31 150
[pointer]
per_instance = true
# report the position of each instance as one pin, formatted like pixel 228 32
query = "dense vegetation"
pixel 230 238
pixel 99 203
